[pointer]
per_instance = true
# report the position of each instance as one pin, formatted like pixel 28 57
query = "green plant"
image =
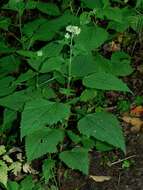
pixel 123 105
pixel 39 73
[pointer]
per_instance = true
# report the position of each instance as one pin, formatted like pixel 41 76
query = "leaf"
pixel 104 127
pixel 12 185
pixel 93 4
pixel 86 62
pixel 88 94
pixel 15 101
pixel 77 159
pixel 100 178
pixel 2 150
pixel 3 173
pixel 38 113
pixel 27 182
pixel 15 168
pixel 8 64
pixel 9 117
pixel 137 111
pixel 136 123
pixel 6 87
pixel 74 137
pixel 91 37
pixel 42 142
pixel 48 8
pixel 4 23
pixel 120 64
pixel 49 57
pixel 103 147
pixel 24 77
pixel 105 81
pixel 51 64
pixel 47 168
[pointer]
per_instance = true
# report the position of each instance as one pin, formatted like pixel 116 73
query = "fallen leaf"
pixel 136 123
pixel 137 111
pixel 100 178
pixel 28 169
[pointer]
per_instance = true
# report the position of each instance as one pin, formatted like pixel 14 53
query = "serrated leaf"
pixel 42 142
pixel 104 127
pixel 3 173
pixel 77 159
pixel 40 112
pixel 105 81
pixel 91 37
pixel 47 168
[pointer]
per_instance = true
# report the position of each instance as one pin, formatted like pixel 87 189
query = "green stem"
pixel 70 63
pixel 20 28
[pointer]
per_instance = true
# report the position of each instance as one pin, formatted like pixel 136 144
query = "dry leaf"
pixel 28 169
pixel 100 178
pixel 137 111
pixel 136 123
pixel 115 46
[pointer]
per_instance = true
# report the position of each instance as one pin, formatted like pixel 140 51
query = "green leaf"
pixel 77 158
pixel 9 117
pixel 48 8
pixel 120 64
pixel 15 101
pixel 3 173
pixel 27 183
pixel 105 81
pixel 47 169
pixel 93 4
pixel 9 64
pixel 38 113
pixel 104 127
pixel 91 37
pixel 86 62
pixel 51 64
pixel 51 50
pixel 5 86
pixel 87 95
pixel 42 142
pixel 4 23
pixel 74 137
pixel 12 185
pixel 24 77
pixel 102 146
pixel 18 6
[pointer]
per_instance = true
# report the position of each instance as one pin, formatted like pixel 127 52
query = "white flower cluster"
pixel 72 30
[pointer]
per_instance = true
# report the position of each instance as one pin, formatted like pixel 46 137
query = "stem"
pixel 20 28
pixel 70 63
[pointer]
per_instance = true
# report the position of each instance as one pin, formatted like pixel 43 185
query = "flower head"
pixel 74 30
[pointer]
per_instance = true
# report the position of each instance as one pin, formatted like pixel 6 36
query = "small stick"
pixel 121 160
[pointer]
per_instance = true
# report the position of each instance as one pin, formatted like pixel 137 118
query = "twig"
pixel 121 160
